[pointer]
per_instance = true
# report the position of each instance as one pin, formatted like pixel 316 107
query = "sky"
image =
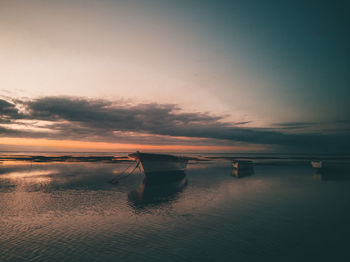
pixel 232 76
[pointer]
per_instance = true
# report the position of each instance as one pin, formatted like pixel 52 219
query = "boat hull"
pixel 157 166
pixel 316 164
pixel 240 165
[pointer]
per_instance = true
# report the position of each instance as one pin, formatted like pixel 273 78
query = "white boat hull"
pixel 316 164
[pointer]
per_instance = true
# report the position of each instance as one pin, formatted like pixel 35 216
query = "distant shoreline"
pixel 259 159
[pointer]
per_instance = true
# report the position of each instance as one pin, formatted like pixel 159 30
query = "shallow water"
pixel 68 212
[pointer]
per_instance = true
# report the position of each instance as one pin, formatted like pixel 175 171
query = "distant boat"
pixel 160 165
pixel 242 164
pixel 316 164
pixel 242 168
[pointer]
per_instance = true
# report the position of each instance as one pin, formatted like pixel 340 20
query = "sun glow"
pixel 71 145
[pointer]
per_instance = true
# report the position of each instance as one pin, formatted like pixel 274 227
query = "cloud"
pixel 115 121
pixel 326 127
pixel 242 123
pixel 8 111
pixel 296 125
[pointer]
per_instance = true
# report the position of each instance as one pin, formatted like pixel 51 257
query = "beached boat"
pixel 160 165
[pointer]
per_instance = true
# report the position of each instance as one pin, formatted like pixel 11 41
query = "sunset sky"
pixel 159 75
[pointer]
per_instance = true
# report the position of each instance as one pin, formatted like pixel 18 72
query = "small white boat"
pixel 242 168
pixel 160 165
pixel 316 164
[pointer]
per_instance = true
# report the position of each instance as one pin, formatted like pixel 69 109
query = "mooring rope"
pixel 132 162
pixel 116 180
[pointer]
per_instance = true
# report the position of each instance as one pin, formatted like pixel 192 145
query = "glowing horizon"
pixel 108 146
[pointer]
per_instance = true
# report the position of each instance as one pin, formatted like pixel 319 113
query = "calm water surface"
pixel 68 212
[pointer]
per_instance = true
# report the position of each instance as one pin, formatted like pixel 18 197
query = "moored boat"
pixel 160 165
pixel 316 164
pixel 242 164
pixel 242 168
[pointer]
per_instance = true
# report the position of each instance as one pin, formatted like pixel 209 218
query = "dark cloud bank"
pixel 103 120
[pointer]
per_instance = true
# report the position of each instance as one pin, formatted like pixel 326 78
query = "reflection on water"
pixel 69 212
pixel 331 175
pixel 239 173
pixel 150 193
pixel 331 170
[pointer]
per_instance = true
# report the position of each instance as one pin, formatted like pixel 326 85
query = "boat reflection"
pixel 331 170
pixel 239 173
pixel 331 175
pixel 156 192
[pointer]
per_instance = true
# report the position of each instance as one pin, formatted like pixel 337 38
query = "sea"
pixel 282 210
